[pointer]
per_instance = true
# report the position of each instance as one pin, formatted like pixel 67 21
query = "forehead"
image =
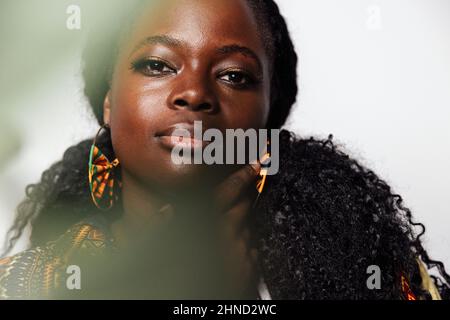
pixel 200 23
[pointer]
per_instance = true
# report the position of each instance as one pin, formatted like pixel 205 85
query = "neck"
pixel 143 208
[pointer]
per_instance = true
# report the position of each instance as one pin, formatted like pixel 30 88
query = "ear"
pixel 107 108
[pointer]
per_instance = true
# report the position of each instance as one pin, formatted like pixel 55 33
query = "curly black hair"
pixel 322 220
pixel 326 218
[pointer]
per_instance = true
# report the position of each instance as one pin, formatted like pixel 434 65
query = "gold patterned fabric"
pixel 37 273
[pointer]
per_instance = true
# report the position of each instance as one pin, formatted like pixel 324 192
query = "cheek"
pixel 135 110
pixel 135 106
pixel 247 109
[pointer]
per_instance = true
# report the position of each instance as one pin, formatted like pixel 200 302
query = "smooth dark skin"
pixel 195 81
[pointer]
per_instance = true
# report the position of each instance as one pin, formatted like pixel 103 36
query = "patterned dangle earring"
pixel 101 176
pixel 265 161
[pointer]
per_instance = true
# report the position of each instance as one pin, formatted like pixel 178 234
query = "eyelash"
pixel 249 78
pixel 141 65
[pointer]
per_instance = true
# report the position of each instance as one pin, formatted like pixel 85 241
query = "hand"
pixel 234 200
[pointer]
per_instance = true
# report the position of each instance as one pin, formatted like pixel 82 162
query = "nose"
pixel 193 91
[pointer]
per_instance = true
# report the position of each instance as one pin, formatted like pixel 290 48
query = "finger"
pixel 235 218
pixel 229 191
pixel 237 215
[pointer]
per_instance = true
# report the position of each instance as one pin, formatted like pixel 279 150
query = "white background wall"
pixel 375 73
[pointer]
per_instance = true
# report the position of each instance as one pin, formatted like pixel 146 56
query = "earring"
pixel 101 176
pixel 263 173
pixel 265 160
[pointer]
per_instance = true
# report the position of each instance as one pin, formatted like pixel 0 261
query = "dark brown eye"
pixel 237 78
pixel 152 67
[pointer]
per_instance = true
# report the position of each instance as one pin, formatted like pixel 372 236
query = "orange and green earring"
pixel 101 176
pixel 262 174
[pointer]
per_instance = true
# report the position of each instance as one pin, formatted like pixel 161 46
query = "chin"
pixel 184 179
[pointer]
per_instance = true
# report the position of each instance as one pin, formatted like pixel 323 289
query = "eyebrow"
pixel 158 39
pixel 173 42
pixel 235 48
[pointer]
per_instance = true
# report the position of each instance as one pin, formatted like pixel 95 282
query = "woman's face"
pixel 185 61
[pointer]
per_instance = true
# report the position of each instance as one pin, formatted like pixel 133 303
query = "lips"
pixel 181 135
